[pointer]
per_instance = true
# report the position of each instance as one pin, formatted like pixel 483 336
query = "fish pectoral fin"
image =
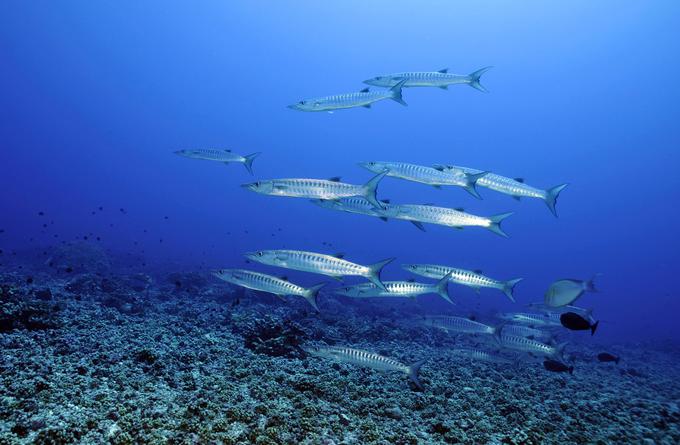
pixel 438 187
pixel 367 106
pixel 444 87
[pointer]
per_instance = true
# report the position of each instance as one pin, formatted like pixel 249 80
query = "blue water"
pixel 96 96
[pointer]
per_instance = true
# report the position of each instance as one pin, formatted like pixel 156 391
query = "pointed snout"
pixel 250 185
pixel 249 255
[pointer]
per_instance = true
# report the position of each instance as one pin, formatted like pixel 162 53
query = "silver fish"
pixel 524 344
pixel 460 325
pixel 527 332
pixel 366 359
pixel 327 189
pixel 440 79
pixel 360 206
pixel 403 289
pixel 509 186
pixel 333 266
pixel 363 98
pixel 542 307
pixel 564 292
pixel 456 218
pixel 479 355
pixel 531 319
pixel 267 283
pixel 224 156
pixel 473 279
pixel 425 175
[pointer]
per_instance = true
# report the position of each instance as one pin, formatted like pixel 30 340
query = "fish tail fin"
pixel 375 270
pixel 312 295
pixel 593 327
pixel 413 371
pixel 551 196
pixel 590 284
pixel 442 287
pixel 371 189
pixel 396 92
pixel 559 350
pixel 248 162
pixel 509 287
pixel 474 77
pixel 471 183
pixel 495 224
pixel 498 329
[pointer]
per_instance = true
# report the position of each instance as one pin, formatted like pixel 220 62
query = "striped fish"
pixel 524 344
pixel 225 156
pixel 425 175
pixel 440 79
pixel 366 359
pixel 456 218
pixel 363 98
pixel 332 266
pixel 527 332
pixel 404 289
pixel 473 279
pixel 328 189
pixel 530 319
pixel 479 355
pixel 267 283
pixel 509 186
pixel 460 325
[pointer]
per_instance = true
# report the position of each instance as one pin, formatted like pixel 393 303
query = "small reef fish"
pixel 564 292
pixel 332 266
pixel 440 79
pixel 460 325
pixel 531 346
pixel 267 283
pixel 509 186
pixel 530 319
pixel 364 98
pixel 328 189
pixel 399 289
pixel 479 355
pixel 425 175
pixel 575 322
pixel 224 156
pixel 555 366
pixel 456 218
pixel 527 332
pixel 607 357
pixel 473 279
pixel 366 359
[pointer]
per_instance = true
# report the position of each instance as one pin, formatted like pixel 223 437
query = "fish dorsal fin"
pixel 386 201
pixel 411 280
pixel 438 167
pixel 334 179
pixel 284 278
pixel 479 271
pixel 365 90
pixel 443 70
pixel 472 317
pixel 520 180
pixel 460 209
pixel 339 255
pixel 228 151
pixel 428 204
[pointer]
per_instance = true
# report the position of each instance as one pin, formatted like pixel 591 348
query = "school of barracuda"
pixel 530 333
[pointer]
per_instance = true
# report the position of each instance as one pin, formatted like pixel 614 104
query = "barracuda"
pixel 403 289
pixel 327 189
pixel 267 283
pixel 224 156
pixel 473 279
pixel 360 206
pixel 527 332
pixel 440 79
pixel 509 186
pixel 476 354
pixel 332 266
pixel 532 319
pixel 524 344
pixel 460 325
pixel 456 218
pixel 363 98
pixel 366 359
pixel 425 175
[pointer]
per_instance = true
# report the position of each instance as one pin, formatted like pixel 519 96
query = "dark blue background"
pixel 95 96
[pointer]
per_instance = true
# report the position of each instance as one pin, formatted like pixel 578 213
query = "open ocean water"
pixel 214 233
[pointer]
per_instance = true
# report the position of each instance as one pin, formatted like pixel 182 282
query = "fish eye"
pixel 257 184
pixel 259 254
pixel 302 102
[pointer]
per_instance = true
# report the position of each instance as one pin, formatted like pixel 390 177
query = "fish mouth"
pixel 293 106
pixel 250 186
pixel 250 255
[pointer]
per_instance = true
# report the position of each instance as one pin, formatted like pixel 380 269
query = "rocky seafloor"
pixel 100 357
